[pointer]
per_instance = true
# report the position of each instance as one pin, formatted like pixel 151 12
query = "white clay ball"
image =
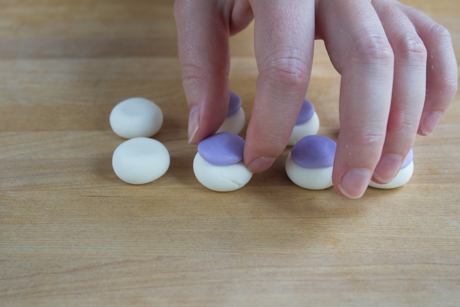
pixel 311 127
pixel 136 117
pixel 234 123
pixel 310 162
pixel 235 120
pixel 140 160
pixel 307 123
pixel 221 178
pixel 403 177
pixel 309 178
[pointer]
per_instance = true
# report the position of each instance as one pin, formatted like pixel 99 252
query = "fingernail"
pixel 354 183
pixel 193 122
pixel 260 164
pixel 430 122
pixel 388 167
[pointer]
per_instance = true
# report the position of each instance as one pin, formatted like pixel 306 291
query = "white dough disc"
pixel 309 178
pixel 234 123
pixel 136 117
pixel 310 127
pixel 401 178
pixel 221 178
pixel 140 160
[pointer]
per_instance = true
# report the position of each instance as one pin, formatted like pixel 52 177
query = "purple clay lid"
pixel 314 151
pixel 222 149
pixel 234 105
pixel 306 112
pixel 409 159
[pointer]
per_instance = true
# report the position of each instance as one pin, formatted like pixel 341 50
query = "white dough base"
pixel 221 178
pixel 136 117
pixel 234 123
pixel 310 127
pixel 401 179
pixel 140 160
pixel 309 178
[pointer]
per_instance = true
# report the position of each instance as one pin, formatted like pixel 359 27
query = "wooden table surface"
pixel 73 234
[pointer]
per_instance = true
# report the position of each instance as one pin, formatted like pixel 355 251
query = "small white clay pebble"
pixel 140 160
pixel 218 164
pixel 309 164
pixel 235 120
pixel 307 123
pixel 136 117
pixel 403 176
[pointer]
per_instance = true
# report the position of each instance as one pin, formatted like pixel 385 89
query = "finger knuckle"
pixel 410 47
pixel 449 87
pixel 403 126
pixel 286 72
pixel 440 33
pixel 373 49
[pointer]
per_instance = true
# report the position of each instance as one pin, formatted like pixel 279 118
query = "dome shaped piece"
pixel 222 149
pixel 234 104
pixel 306 112
pixel 409 158
pixel 314 151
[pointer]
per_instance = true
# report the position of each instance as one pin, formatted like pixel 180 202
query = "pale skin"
pixel 398 76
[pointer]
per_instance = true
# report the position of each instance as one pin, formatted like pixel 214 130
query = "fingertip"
pixel 429 123
pixel 260 164
pixel 354 183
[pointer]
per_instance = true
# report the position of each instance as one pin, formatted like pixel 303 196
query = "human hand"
pixel 398 68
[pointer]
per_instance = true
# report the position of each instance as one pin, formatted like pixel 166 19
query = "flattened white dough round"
pixel 401 178
pixel 136 117
pixel 309 178
pixel 234 123
pixel 140 160
pixel 310 127
pixel 221 178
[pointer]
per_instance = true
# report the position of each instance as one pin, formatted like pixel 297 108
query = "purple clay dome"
pixel 409 159
pixel 222 149
pixel 234 105
pixel 306 112
pixel 314 151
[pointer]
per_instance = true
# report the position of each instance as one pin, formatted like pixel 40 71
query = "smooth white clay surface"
pixel 309 178
pixel 136 117
pixel 140 160
pixel 234 123
pixel 401 179
pixel 221 178
pixel 310 127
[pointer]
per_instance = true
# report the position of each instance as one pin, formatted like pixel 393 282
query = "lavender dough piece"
pixel 234 105
pixel 314 151
pixel 235 120
pixel 222 149
pixel 307 123
pixel 218 165
pixel 409 159
pixel 306 112
pixel 309 165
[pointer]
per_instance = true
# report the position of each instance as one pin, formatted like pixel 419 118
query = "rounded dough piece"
pixel 310 127
pixel 234 123
pixel 140 160
pixel 136 117
pixel 221 178
pixel 403 177
pixel 309 178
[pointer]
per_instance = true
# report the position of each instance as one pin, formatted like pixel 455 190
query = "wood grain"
pixel 72 233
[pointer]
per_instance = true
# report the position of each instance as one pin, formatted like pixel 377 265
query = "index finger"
pixel 284 37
